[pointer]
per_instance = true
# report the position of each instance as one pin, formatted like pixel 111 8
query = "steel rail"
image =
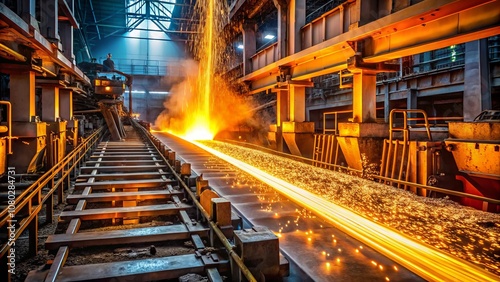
pixel 229 248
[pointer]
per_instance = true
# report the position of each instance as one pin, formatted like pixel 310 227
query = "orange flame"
pixel 186 113
pixel 203 105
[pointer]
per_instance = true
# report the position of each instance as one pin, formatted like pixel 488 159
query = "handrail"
pixel 35 188
pixel 405 128
pixel 9 122
pixel 335 116
pixel 438 189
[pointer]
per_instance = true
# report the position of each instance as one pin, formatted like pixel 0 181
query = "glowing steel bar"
pixel 427 262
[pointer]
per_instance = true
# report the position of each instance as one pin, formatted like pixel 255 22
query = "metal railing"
pixel 335 114
pixel 30 201
pixel 437 189
pixel 165 67
pixel 406 126
pixel 9 126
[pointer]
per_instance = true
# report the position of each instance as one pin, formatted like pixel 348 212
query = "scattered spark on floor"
pixel 463 232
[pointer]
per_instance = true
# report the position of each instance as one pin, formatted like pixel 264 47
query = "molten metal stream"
pixel 425 261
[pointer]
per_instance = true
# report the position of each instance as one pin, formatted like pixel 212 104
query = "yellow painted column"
pixel 50 102
pixel 296 20
pixel 282 107
pixel 22 96
pixel 364 97
pixel 66 104
pixel 297 103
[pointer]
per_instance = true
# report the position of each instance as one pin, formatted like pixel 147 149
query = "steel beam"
pixel 125 237
pixel 122 196
pixel 144 168
pixel 138 211
pixel 121 157
pixel 451 24
pixel 134 175
pixel 128 162
pixel 421 27
pixel 165 268
pixel 123 184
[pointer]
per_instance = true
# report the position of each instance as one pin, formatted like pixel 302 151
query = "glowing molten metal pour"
pixel 200 131
pixel 202 105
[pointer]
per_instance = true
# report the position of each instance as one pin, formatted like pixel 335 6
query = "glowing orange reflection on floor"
pixel 427 262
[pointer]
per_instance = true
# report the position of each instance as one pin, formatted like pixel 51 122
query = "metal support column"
pixel 297 103
pixel 31 135
pixel 477 85
pixel 249 45
pixel 296 20
pixel 50 102
pixel 49 19
pixel 364 97
pixel 66 113
pixel 23 98
pixel 282 7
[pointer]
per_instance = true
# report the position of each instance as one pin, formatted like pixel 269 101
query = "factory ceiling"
pixel 116 18
pixel 102 19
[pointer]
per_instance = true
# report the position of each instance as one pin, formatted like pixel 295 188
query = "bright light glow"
pixel 269 36
pixel 240 46
pixel 199 132
pixel 427 262
pixel 204 104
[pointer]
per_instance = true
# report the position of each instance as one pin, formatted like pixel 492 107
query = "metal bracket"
pixel 356 63
pixel 284 74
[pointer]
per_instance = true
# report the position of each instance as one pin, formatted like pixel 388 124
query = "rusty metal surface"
pixel 476 157
pixel 475 130
pixel 109 213
pixel 476 147
pixel 122 196
pixel 141 183
pixel 139 270
pixel 119 237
